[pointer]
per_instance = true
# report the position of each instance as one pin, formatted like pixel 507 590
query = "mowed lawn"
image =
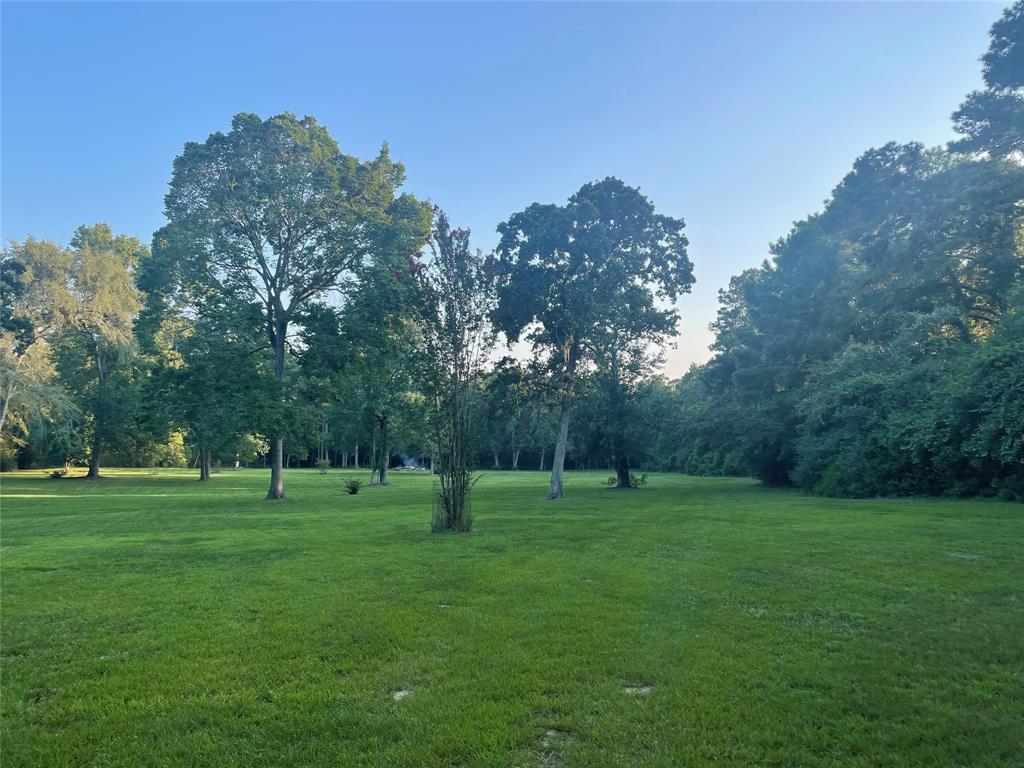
pixel 153 621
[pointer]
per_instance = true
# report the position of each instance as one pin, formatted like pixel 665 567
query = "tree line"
pixel 297 304
pixel 880 350
pixel 298 308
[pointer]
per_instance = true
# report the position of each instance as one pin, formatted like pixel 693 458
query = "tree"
pixel 992 120
pixel 272 214
pixel 212 384
pixel 457 288
pixel 573 271
pixel 96 343
pixel 33 304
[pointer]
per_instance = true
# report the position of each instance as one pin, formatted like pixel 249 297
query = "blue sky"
pixel 738 117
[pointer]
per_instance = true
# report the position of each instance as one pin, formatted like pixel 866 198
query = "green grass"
pixel 154 621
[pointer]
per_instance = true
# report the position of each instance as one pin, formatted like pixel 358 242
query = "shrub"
pixel 323 465
pixel 57 474
pixel 634 481
pixel 353 486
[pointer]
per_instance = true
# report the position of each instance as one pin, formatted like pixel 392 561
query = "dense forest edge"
pixel 879 351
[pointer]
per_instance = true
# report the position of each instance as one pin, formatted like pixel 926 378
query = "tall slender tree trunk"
pixel 276 490
pixel 515 459
pixel 9 390
pixel 94 458
pixel 355 457
pixel 555 489
pixel 385 454
pixel 543 450
pixel 204 463
pixel 497 464
pixel 98 417
pixel 617 407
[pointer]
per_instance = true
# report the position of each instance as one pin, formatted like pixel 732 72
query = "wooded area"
pixel 299 310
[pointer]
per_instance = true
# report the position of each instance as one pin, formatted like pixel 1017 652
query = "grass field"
pixel 153 621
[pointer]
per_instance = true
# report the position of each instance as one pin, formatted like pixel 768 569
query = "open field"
pixel 151 620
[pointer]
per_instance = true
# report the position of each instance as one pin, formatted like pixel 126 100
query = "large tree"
pixel 273 214
pixel 97 343
pixel 575 273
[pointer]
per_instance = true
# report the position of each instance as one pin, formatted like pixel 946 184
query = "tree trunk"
pixel 515 459
pixel 355 456
pixel 276 469
pixel 276 490
pixel 555 489
pixel 385 455
pixel 497 464
pixel 98 420
pixel 204 463
pixel 543 450
pixel 622 472
pixel 9 390
pixel 94 459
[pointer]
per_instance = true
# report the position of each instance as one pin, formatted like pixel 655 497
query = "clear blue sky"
pixel 738 117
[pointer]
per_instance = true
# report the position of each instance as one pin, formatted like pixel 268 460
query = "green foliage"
pixel 878 352
pixel 273 215
pixel 591 283
pixel 353 486
pixel 992 120
pixel 635 481
pixel 456 294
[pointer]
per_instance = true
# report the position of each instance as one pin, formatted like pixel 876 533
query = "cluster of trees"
pixel 297 305
pixel 881 349
pixel 298 308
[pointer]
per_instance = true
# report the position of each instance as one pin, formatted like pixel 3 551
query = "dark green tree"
pixel 574 272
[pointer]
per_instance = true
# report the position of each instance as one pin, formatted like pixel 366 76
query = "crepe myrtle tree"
pixel 273 214
pixel 604 260
pixel 456 285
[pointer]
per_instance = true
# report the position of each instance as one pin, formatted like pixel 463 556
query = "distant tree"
pixel 457 293
pixel 272 214
pixel 97 345
pixel 515 409
pixel 33 307
pixel 572 271
pixel 213 385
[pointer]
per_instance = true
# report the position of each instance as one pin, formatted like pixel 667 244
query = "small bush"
pixel 57 474
pixel 353 486
pixel 634 481
pixel 323 465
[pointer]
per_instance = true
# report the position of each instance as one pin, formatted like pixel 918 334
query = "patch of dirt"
pixel 403 693
pixel 638 689
pixel 969 556
pixel 551 744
